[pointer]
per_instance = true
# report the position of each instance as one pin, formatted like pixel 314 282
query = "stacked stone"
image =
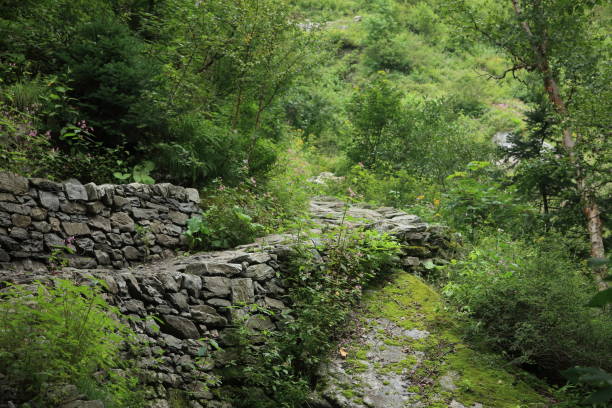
pixel 102 222
pixel 176 306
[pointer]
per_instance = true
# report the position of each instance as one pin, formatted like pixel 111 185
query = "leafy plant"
pixel 71 329
pixel 139 174
pixel 221 228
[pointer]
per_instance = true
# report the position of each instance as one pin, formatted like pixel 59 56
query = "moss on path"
pixel 407 352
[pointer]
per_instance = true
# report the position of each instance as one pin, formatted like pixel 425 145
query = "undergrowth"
pixel 323 291
pixel 63 334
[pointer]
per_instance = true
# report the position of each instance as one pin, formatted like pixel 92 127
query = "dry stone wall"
pixel 109 225
pixel 177 306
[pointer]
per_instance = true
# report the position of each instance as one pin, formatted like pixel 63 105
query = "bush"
pixel 199 150
pixel 111 80
pixel 529 302
pixel 61 334
pixel 475 200
pixel 28 150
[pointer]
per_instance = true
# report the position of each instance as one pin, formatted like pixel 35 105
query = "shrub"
pixel 529 302
pixel 72 330
pixel 199 150
pixel 475 200
pixel 221 228
pixel 111 80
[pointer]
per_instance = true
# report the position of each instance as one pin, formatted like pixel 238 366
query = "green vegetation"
pixel 246 100
pixel 51 336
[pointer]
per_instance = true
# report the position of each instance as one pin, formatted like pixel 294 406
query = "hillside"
pixel 276 203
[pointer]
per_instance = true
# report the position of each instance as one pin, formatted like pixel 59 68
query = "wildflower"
pixel 352 194
pixel 420 197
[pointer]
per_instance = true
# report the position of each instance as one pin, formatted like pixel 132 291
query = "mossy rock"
pixel 410 353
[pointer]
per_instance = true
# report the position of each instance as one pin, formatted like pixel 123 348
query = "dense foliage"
pixel 247 100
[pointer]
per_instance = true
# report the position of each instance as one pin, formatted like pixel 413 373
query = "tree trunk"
pixel 590 207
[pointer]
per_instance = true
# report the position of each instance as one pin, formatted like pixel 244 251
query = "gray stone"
pixel 76 228
pixel 52 240
pixel 166 240
pixel 19 233
pixel 260 323
pixel 71 207
pixel 85 246
pixel 4 256
pixel 219 303
pixel 38 214
pixel 46 185
pixel 178 218
pixel 219 286
pixel 13 183
pixel 98 236
pixel 169 284
pixel 260 272
pixel 75 190
pixel 122 221
pixel 102 257
pixel 144 214
pixel 120 202
pixel 192 195
pixel 179 301
pixel 21 221
pixel 84 404
pixel 93 192
pixel 274 303
pixel 115 240
pixel 208 315
pixel 7 197
pixel 180 327
pixel 82 262
pixel 95 207
pixel 15 208
pixel 242 291
pixel 127 239
pixel 100 223
pixel 213 268
pixel 49 200
pixel 131 253
pixel 192 284
pixel 254 258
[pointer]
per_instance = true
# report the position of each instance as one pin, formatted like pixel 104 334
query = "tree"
pixel 559 41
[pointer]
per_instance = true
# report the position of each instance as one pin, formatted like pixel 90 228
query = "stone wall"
pixel 178 305
pixel 109 225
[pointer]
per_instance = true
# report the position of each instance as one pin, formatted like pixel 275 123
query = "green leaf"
pixel 428 264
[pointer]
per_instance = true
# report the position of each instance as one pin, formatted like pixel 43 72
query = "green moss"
pixel 412 304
